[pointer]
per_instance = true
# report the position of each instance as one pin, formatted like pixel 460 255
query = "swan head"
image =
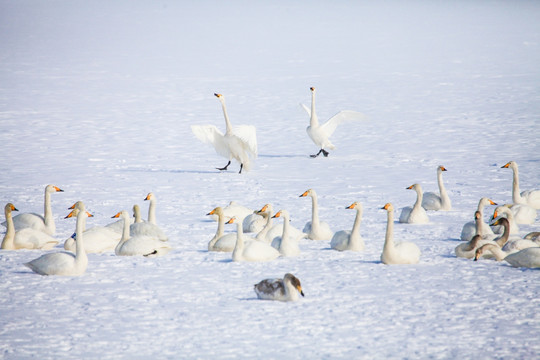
pixel 485 201
pixel 281 213
pixel 308 192
pixel 76 212
pixel 294 282
pixel 416 187
pixel 388 207
pixel 150 196
pixel 511 164
pixel 124 214
pixel 501 221
pixel 10 207
pixel 312 89
pixel 52 189
pixel 216 211
pixel 354 205
pixel 232 220
pixel 478 253
pixel 78 205
pixel 441 168
pixel 266 209
pixel 218 95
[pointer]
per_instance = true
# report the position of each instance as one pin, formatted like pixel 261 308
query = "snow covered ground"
pixel 98 98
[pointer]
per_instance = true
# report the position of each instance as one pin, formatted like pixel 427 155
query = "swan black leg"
pixel 324 152
pixel 241 166
pixel 225 167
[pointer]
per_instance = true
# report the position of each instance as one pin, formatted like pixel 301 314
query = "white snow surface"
pixel 97 97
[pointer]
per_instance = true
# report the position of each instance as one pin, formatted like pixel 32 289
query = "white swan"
pixel 252 250
pixel 441 201
pixel 253 223
pixel 221 241
pixel 319 134
pixel 118 225
pixel 528 258
pixel 285 244
pixel 527 197
pixel 140 244
pixel 316 229
pixel 238 143
pixel 507 213
pixel 148 228
pixel 350 239
pixel 400 253
pixel 286 289
pixel 270 231
pixel 523 214
pixel 35 221
pixel 469 228
pixel 417 214
pixel 26 238
pixel 65 263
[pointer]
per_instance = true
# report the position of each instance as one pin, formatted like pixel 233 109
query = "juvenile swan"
pixel 441 201
pixel 316 229
pixel 400 253
pixel 350 239
pixel 528 258
pixel 286 289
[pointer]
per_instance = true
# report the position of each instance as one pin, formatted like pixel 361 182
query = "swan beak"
pixel 352 206
pixel 312 88
pixel 304 194
pixel 231 220
pixel 72 207
pixel 71 214
pixel 301 291
pixel 409 188
pixel 495 215
pixel 217 95
pixel 492 203
pixel 278 214
pixel 505 166
pixel 89 215
pixel 386 206
pixel 443 168
pixel 58 189
pixel 211 212
pixel 148 197
pixel 116 216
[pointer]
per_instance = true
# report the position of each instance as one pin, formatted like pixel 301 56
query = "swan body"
pixel 26 238
pixel 400 253
pixel 43 223
pixel 316 229
pixel 350 239
pixel 251 250
pixel 239 143
pixel 221 242
pixel 253 223
pixel 523 214
pixel 527 258
pixel 270 231
pixel 286 289
pixel 320 134
pixel 65 263
pixel 527 197
pixel 441 201
pixel 468 250
pixel 469 229
pixel 97 239
pixel 285 244
pixel 417 214
pixel 148 228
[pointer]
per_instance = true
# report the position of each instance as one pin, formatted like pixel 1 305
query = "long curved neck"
pixel 504 237
pixel 516 196
pixel 286 230
pixel 314 211
pixel 262 234
pixel 80 253
pixel 228 126
pixel 389 239
pixel 125 234
pixel 9 238
pixel 314 121
pixel 496 251
pixel 152 211
pixel 355 232
pixel 442 190
pixel 137 214
pixel 47 212
pixel 419 197
pixel 239 247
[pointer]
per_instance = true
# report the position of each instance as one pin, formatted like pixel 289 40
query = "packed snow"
pixel 98 98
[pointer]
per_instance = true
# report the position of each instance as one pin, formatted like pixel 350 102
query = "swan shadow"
pixel 282 156
pixel 173 171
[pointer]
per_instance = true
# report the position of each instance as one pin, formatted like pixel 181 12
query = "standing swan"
pixel 401 253
pixel 416 214
pixel 350 239
pixel 470 228
pixel 26 238
pixel 433 201
pixel 239 143
pixel 285 244
pixel 315 229
pixel 65 263
pixel 319 134
pixel 527 197
pixel 252 250
pixel 35 221
pixel 286 289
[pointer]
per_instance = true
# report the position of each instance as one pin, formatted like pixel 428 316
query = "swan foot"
pixel 226 166
pixel 324 152
pixel 241 166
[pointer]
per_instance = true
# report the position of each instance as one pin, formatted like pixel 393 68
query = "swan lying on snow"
pixel 251 250
pixel 26 238
pixel 221 241
pixel 469 229
pixel 433 201
pixel 417 214
pixel 400 253
pixel 528 258
pixel 316 229
pixel 503 211
pixel 527 197
pixel 285 244
pixel 350 239
pixel 286 289
pixel 514 244
pixel 149 228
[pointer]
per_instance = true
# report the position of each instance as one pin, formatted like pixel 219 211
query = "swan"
pixel 528 258
pixel 148 228
pixel 239 143
pixel 118 225
pixel 469 228
pixel 523 214
pixel 285 244
pixel 65 263
pixel 400 253
pixel 319 134
pixel 139 244
pixel 506 212
pixel 253 223
pixel 315 229
pixel 35 221
pixel 26 238
pixel 433 201
pixel 286 289
pixel 350 239
pixel 468 250
pixel 417 214
pixel 221 241
pixel 527 197
pixel 234 209
pixel 270 231
pixel 533 236
pixel 251 250
pixel 514 244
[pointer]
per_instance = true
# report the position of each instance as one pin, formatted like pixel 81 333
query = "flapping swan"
pixel 441 201
pixel 417 214
pixel 528 258
pixel 285 244
pixel 238 143
pixel 400 253
pixel 252 250
pixel 26 238
pixel 350 239
pixel 316 229
pixel 139 244
pixel 221 241
pixel 148 228
pixel 65 263
pixel 319 134
pixel 469 229
pixel 527 197
pixel 35 221
pixel 286 289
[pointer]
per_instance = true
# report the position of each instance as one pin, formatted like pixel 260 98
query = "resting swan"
pixel 26 238
pixel 528 258
pixel 400 253
pixel 350 239
pixel 270 231
pixel 239 143
pixel 523 214
pixel 433 201
pixel 527 197
pixel 316 229
pixel 319 134
pixel 252 250
pixel 148 228
pixel 118 225
pixel 417 214
pixel 65 263
pixel 514 244
pixel 469 229
pixel 35 221
pixel 221 241
pixel 286 289
pixel 285 244
pixel 505 212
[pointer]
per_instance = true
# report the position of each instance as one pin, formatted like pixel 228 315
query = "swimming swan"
pixel 221 241
pixel 316 229
pixel 528 258
pixel 238 143
pixel 400 253
pixel 26 238
pixel 417 214
pixel 252 250
pixel 469 228
pixel 286 289
pixel 441 201
pixel 350 239
pixel 285 244
pixel 527 197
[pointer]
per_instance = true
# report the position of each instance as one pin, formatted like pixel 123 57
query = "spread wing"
pixel 346 115
pixel 209 134
pixel 248 134
pixel 308 110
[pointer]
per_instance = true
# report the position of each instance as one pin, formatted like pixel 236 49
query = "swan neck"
pixel 516 196
pixel 239 247
pixel 442 190
pixel 262 234
pixel 504 237
pixel 219 233
pixel 47 212
pixel 9 237
pixel 355 232
pixel 125 234
pixel 419 197
pixel 80 253
pixel 496 251
pixel 314 211
pixel 389 239
pixel 314 121
pixel 152 211
pixel 228 126
pixel 285 234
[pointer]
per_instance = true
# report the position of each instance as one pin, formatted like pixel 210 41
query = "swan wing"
pixel 248 135
pixel 308 110
pixel 346 115
pixel 209 134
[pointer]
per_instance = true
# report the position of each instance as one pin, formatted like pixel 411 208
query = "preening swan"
pixel 35 221
pixel 239 143
pixel 441 201
pixel 527 197
pixel 286 289
pixel 319 134
pixel 350 239
pixel 469 229
pixel 285 244
pixel 221 241
pixel 251 250
pixel 400 253
pixel 417 214
pixel 528 258
pixel 149 228
pixel 316 229
pixel 26 238
pixel 65 263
